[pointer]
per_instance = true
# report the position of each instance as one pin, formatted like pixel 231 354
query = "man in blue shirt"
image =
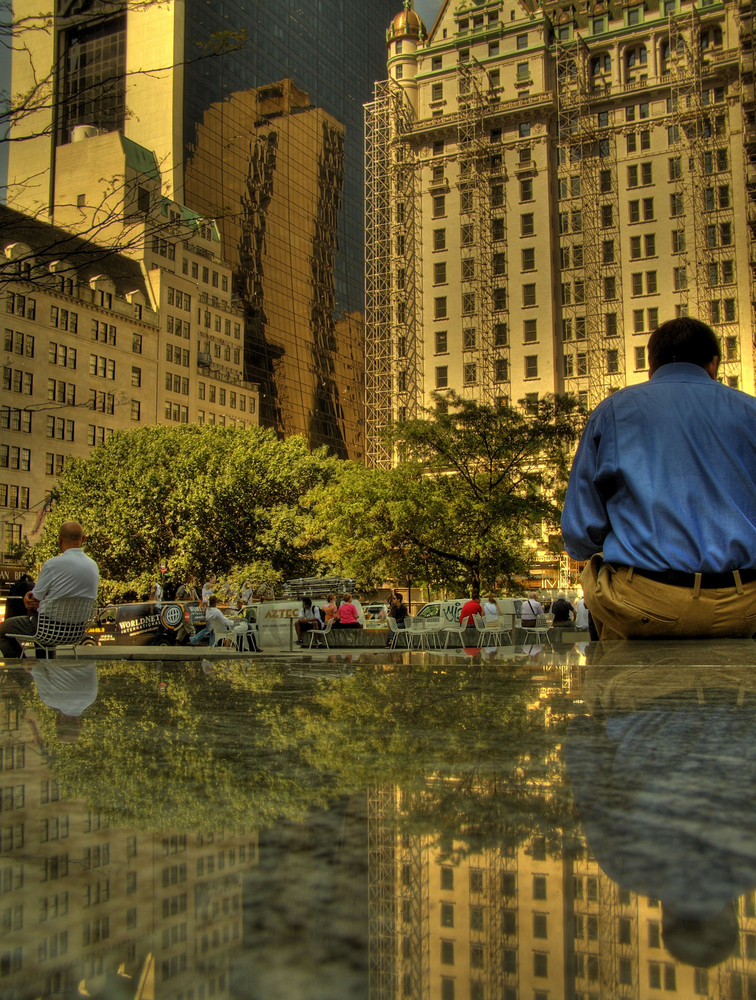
pixel 664 485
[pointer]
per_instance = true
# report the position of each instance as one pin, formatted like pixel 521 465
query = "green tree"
pixel 194 498
pixel 473 490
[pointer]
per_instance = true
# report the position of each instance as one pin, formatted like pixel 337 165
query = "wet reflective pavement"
pixel 528 823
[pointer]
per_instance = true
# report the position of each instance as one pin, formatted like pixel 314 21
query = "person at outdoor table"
pixel 214 617
pixel 491 608
pixel 470 608
pixel 70 574
pixel 330 608
pixel 347 616
pixel 397 611
pixel 563 612
pixel 530 610
pixel 309 619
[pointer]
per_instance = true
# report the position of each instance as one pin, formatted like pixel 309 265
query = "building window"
pixel 442 381
pixel 529 295
pixel 531 366
pixel 469 373
pixel 441 342
pixel 528 259
pixel 439 239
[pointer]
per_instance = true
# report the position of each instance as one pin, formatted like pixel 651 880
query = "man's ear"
pixel 713 366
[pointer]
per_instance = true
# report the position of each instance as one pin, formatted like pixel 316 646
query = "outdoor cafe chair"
pixel 491 631
pixel 397 633
pixel 61 625
pixel 539 631
pixel 321 634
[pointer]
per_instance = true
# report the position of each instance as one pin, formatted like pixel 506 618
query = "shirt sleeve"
pixel 44 582
pixel 585 521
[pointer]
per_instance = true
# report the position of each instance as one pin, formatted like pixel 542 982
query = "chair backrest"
pixel 480 623
pixel 541 621
pixel 391 624
pixel 64 621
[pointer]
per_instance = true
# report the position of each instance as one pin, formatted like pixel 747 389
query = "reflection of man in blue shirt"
pixel 664 482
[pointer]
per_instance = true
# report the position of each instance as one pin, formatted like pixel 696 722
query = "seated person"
pixel 530 610
pixel 309 619
pixel 215 618
pixel 397 611
pixel 491 608
pixel 563 612
pixel 470 608
pixel 347 616
pixel 330 608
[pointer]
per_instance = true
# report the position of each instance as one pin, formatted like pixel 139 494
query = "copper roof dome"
pixel 406 25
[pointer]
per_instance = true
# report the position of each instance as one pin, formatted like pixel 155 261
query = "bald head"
pixel 70 536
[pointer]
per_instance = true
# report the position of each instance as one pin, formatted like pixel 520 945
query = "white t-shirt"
pixel 71 574
pixel 490 610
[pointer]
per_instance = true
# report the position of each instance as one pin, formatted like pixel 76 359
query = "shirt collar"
pixel 681 371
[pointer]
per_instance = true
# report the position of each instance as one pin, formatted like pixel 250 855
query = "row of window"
pixel 13 496
pixel 204 274
pixel 234 399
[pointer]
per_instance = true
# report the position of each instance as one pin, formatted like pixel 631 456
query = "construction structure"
pixel 582 172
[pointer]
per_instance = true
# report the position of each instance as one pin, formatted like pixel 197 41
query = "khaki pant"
pixel 625 605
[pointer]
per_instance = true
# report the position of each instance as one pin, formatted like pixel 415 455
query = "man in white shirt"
pixel 530 610
pixel 216 620
pixel 71 574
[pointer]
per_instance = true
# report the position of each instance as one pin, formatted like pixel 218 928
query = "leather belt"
pixel 709 581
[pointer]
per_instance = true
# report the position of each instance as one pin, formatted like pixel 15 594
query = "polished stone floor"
pixel 575 822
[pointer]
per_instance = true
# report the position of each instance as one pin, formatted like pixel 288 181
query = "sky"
pixel 428 9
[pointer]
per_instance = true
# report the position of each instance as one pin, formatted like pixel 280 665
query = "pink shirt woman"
pixel 347 616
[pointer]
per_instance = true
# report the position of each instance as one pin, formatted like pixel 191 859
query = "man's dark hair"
pixel 683 339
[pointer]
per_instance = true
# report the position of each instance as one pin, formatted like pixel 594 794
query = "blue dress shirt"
pixel 665 477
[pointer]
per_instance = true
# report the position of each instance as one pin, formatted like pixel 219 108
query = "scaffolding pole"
pixel 745 19
pixel 393 263
pixel 591 302
pixel 479 165
pixel 688 147
pixel 382 893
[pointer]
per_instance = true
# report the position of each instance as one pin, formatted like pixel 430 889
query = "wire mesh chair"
pixel 321 634
pixel 62 624
pixel 397 633
pixel 539 631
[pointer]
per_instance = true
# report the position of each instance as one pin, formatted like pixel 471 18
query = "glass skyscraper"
pixel 144 70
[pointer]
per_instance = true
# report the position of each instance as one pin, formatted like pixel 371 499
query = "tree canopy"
pixel 471 493
pixel 194 498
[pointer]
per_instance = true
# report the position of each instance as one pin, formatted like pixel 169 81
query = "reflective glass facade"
pixel 332 49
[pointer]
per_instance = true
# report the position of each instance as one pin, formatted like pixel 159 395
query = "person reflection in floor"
pixel 68 690
pixel 663 774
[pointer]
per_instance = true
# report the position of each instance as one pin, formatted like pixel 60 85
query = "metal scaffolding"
pixel 745 16
pixel 688 148
pixel 483 279
pixel 591 299
pixel 393 348
pixel 382 893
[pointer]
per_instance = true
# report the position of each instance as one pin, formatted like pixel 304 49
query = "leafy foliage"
pixel 196 498
pixel 475 486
